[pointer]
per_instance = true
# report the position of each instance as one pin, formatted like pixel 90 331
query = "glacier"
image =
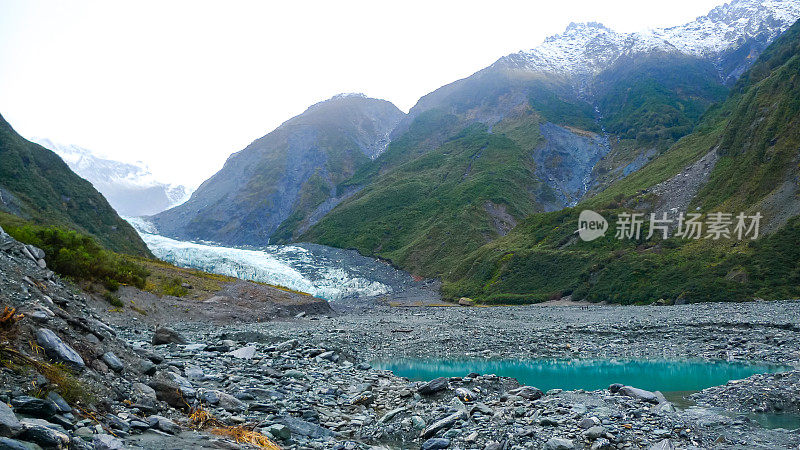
pixel 324 272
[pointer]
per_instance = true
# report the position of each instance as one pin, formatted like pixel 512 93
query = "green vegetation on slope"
pixel 426 213
pixel 543 260
pixel 77 256
pixel 755 132
pixel 657 99
pixel 37 185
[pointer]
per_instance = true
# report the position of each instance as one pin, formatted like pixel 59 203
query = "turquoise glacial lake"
pixel 545 374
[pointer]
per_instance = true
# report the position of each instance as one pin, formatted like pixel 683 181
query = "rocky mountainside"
pixel 130 188
pixel 69 380
pixel 583 110
pixel 742 157
pixel 37 185
pixel 285 181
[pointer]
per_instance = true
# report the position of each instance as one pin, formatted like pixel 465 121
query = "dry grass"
pixel 203 420
pixel 62 380
pixel 204 284
pixel 8 319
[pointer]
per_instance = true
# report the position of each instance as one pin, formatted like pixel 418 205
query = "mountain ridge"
pixel 286 175
pixel 37 185
pixel 130 187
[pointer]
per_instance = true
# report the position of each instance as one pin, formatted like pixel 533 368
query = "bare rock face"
pixel 275 177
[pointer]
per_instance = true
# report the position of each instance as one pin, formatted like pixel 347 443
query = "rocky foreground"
pixel 126 380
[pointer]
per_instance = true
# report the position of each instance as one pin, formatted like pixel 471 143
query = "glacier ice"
pixel 327 275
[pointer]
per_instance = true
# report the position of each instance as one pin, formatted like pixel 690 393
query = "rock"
pixel 145 367
pixel 594 432
pixel 62 404
pixel 434 386
pixel 287 345
pixel 664 444
pixel 194 373
pixel 164 424
pixel 435 443
pixel 186 387
pixel 9 424
pixel 57 350
pixel 639 394
pixel 391 414
pixel 329 356
pixel 614 388
pixel 442 424
pixel 107 442
pixel 279 431
pixel 527 392
pixel 588 422
pixel 303 428
pixel 35 407
pixel 164 335
pixel 210 397
pixel 195 347
pixel 602 444
pixel 142 391
pixel 117 423
pixel 36 252
pixel 13 444
pixel 230 403
pixel 113 362
pixel 293 373
pixel 558 444
pixel 167 390
pixel 492 445
pixel 363 398
pixel 44 433
pixel 548 422
pixel 244 352
pixel 466 301
pixel 466 395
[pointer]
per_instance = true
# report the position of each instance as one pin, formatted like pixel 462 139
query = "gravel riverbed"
pixel 307 382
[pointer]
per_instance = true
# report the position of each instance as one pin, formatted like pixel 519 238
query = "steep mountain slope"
pixel 596 106
pixel 130 188
pixel 286 180
pixel 37 185
pixel 743 157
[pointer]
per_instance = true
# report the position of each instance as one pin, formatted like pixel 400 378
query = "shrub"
pixel 174 287
pixel 80 257
pixel 113 300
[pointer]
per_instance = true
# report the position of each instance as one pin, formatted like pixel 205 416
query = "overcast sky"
pixel 182 84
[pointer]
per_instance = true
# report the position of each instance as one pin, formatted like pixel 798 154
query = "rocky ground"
pixel 304 380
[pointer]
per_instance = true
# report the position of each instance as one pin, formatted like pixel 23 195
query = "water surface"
pixel 545 374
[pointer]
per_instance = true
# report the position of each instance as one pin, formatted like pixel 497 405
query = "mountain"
pixel 37 185
pixel 742 157
pixel 542 130
pixel 285 181
pixel 130 188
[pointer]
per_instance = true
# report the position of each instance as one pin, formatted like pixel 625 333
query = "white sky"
pixel 181 85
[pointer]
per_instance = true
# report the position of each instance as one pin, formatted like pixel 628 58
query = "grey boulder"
pixel 164 335
pixel 56 349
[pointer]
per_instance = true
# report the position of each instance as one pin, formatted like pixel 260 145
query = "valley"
pixel 365 277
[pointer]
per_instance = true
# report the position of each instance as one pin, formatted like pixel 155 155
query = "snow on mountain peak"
pixel 131 188
pixel 587 48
